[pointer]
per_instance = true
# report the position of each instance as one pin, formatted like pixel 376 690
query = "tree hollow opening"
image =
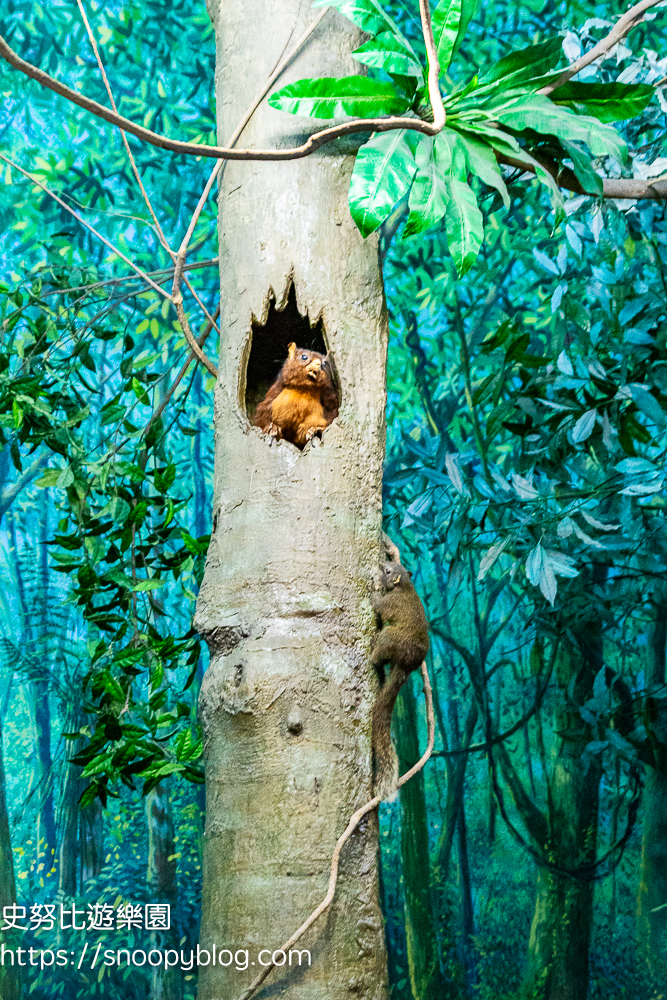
pixel 272 343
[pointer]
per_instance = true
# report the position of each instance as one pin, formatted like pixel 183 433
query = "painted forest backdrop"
pixel 527 413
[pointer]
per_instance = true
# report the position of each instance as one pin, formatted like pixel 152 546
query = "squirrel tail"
pixel 385 760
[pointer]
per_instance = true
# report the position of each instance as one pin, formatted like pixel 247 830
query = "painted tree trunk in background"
pixel 10 983
pixel 68 822
pixel 652 896
pixel 91 841
pixel 422 943
pixel 285 702
pixel 81 848
pixel 46 828
pixel 161 881
pixel 561 930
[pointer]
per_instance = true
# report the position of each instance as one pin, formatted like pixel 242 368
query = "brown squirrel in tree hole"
pixel 302 401
pixel 402 643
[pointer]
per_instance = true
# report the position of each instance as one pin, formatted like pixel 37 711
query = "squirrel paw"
pixel 314 432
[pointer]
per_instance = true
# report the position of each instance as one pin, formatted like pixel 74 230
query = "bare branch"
pixel 612 187
pixel 163 274
pixel 344 837
pixel 181 375
pixel 629 20
pixel 222 152
pixel 439 115
pixel 177 299
pixel 9 493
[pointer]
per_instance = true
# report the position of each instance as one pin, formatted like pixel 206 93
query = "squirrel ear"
pixel 291 351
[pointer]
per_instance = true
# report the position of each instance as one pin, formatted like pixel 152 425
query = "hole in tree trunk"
pixel 307 400
pixel 270 340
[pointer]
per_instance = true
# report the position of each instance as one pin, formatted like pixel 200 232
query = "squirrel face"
pixel 305 367
pixel 392 575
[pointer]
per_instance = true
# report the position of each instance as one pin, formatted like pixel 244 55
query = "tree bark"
pixel 561 929
pixel 91 841
pixel 286 700
pixel 162 888
pixel 46 827
pixel 420 930
pixel 652 896
pixel 68 817
pixel 10 983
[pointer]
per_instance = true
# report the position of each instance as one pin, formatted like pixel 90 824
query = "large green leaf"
pixel 528 63
pixel 382 174
pixel 450 21
pixel 583 168
pixel 509 146
pixel 483 164
pixel 369 15
pixel 388 53
pixel 446 20
pixel 429 193
pixel 335 97
pixel 537 112
pixel 465 227
pixel 609 102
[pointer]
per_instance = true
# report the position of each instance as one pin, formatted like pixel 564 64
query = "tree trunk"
pixel 161 880
pixel 68 821
pixel 286 700
pixel 652 896
pixel 10 983
pixel 467 913
pixel 46 828
pixel 561 928
pixel 91 841
pixel 420 931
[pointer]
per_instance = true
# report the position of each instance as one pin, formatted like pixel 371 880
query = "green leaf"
pixel 540 572
pixel 445 23
pixel 66 478
pixel 583 168
pixel 140 392
pixel 429 194
pixel 119 578
pixel 465 227
pixel 483 164
pixel 148 585
pixel 648 405
pixel 366 14
pixel 334 97
pixel 526 64
pixel 388 53
pixel 508 145
pixel 537 112
pixel 49 477
pixel 608 102
pixel 369 15
pixel 382 174
pixel 450 21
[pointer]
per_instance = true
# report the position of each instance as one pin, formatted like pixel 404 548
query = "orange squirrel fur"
pixel 302 401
